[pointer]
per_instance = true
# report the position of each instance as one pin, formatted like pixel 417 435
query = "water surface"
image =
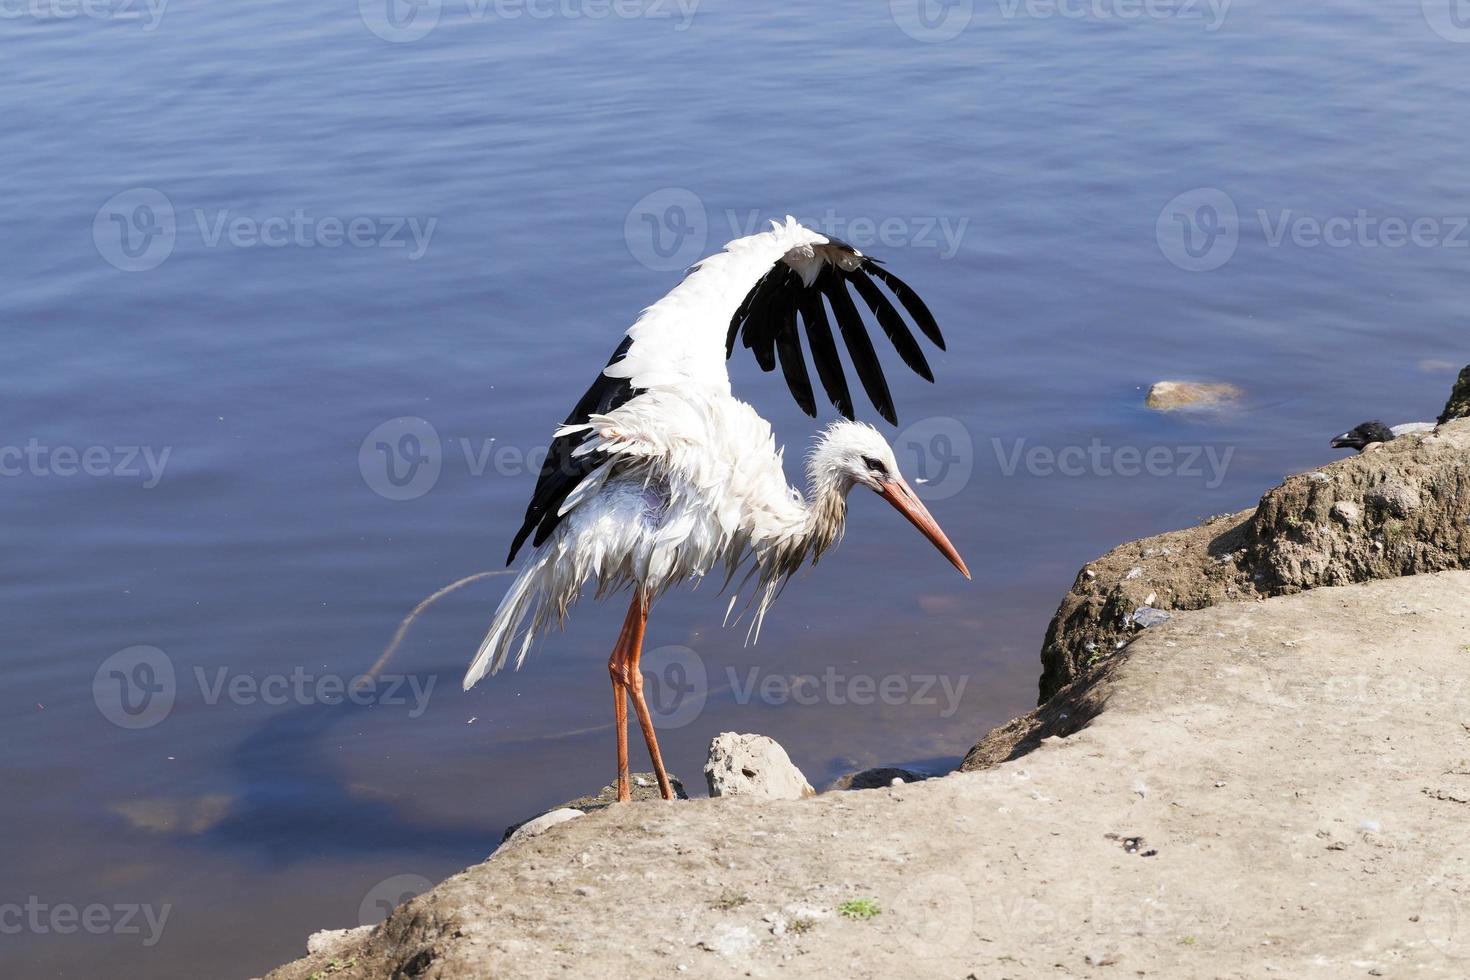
pixel 1019 174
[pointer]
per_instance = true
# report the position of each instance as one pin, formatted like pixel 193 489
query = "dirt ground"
pixel 1277 787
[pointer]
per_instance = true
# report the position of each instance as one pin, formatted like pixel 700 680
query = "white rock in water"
pixel 1170 396
pixel 753 765
pixel 543 823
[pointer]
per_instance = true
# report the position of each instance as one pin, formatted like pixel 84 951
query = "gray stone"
pixel 329 940
pixel 543 823
pixel 753 765
pixel 878 778
pixel 1145 617
pixel 644 787
pixel 1397 498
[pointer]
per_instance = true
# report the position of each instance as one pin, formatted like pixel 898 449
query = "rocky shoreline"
pixel 1252 755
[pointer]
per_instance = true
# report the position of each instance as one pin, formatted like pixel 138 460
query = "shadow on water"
pixel 294 804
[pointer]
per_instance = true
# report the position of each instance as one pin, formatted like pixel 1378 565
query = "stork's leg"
pixel 617 668
pixel 635 689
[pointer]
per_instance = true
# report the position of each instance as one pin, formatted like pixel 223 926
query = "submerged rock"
pixel 543 823
pixel 1172 396
pixel 879 777
pixel 644 787
pixel 753 765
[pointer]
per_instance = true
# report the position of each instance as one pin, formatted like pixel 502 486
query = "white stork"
pixel 660 474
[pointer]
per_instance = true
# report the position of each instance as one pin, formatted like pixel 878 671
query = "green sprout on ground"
pixel 332 968
pixel 859 908
pixel 801 924
pixel 1187 940
pixel 729 900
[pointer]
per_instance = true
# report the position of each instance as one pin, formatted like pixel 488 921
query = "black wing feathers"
pixel 824 351
pixel 912 303
pixel 859 347
pixel 766 324
pixel 561 473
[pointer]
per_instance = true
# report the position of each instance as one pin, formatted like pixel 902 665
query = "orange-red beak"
pixel 898 493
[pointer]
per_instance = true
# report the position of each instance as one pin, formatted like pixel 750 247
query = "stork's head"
pixel 850 454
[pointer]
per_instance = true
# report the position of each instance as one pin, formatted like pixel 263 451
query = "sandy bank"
pixel 1280 786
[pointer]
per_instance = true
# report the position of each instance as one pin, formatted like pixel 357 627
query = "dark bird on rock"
pixel 1368 433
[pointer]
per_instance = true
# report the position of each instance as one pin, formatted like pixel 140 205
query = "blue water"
pixel 557 169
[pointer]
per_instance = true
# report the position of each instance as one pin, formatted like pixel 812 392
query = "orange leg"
pixel 626 678
pixel 635 688
pixel 617 668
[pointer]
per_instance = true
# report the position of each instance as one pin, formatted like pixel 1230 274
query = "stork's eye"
pixel 875 466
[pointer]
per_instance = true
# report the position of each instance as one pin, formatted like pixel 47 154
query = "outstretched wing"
pixel 795 287
pixel 766 290
pixel 563 469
